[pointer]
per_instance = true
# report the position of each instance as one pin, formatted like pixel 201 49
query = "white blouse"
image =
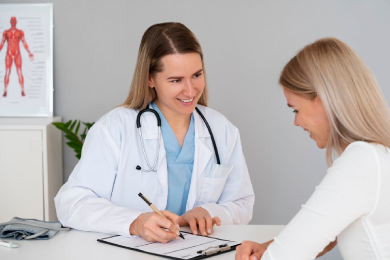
pixel 351 203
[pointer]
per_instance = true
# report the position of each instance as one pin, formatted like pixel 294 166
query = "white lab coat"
pixel 102 191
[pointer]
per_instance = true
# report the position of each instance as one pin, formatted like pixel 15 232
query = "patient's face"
pixel 310 115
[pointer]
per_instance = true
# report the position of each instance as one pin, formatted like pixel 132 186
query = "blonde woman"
pixel 337 100
pixel 195 169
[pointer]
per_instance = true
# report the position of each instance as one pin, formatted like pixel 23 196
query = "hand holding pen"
pixel 148 225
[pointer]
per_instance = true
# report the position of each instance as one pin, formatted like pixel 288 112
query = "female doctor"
pixel 179 172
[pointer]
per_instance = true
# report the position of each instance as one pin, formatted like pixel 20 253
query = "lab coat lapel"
pixel 149 131
pixel 202 157
pixel 162 171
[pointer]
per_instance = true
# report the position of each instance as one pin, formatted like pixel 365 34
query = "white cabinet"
pixel 30 167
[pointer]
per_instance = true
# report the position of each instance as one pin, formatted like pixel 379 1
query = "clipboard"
pixel 193 247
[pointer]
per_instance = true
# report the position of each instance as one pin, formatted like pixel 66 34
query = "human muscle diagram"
pixel 22 60
pixel 26 60
pixel 13 37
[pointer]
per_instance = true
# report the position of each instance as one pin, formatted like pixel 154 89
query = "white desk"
pixel 75 245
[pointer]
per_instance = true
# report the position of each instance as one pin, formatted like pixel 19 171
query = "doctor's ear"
pixel 151 81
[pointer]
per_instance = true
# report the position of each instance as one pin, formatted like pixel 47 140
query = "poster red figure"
pixel 13 36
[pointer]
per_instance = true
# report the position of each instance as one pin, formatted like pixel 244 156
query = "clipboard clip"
pixel 216 249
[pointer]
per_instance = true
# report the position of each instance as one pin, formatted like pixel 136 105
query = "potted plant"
pixel 71 131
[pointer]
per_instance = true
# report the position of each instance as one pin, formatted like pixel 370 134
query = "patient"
pixel 336 99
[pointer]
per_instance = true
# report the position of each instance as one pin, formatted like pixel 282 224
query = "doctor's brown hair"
pixel 158 41
pixel 353 101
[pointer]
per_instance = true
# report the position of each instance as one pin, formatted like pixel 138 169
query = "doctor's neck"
pixel 179 122
pixel 174 117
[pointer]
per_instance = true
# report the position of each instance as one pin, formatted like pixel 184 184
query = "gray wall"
pixel 246 44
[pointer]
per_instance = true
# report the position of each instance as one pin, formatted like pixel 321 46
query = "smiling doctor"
pixel 196 171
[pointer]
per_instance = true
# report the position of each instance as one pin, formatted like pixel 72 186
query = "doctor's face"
pixel 310 115
pixel 179 85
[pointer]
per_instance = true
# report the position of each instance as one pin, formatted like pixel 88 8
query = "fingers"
pixel 246 250
pixel 239 254
pixel 255 256
pixel 149 227
pixel 171 216
pixel 199 217
pixel 202 226
pixel 193 226
pixel 173 226
pixel 249 250
pixel 209 224
pixel 216 221
pixel 163 236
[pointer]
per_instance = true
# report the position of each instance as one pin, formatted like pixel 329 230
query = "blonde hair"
pixel 158 41
pixel 353 101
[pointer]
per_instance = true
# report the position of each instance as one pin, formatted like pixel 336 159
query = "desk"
pixel 75 245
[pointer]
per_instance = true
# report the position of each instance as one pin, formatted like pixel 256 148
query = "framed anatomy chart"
pixel 26 60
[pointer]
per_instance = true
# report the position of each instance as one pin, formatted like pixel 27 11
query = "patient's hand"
pixel 199 217
pixel 249 250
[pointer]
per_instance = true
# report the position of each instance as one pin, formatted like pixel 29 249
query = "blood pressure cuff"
pixel 22 228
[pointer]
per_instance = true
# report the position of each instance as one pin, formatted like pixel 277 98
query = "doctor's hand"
pixel 249 250
pixel 199 217
pixel 149 226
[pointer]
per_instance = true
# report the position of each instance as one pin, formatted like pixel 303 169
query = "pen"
pixel 155 209
pixel 8 244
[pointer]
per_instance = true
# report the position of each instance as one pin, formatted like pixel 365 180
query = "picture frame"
pixel 26 60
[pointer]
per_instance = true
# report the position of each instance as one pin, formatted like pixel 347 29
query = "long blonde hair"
pixel 353 101
pixel 158 41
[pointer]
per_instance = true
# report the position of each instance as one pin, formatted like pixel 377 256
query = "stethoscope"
pixel 151 168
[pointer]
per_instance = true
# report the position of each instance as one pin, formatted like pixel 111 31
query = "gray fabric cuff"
pixel 20 228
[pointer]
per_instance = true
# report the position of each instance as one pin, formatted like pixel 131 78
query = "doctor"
pixel 116 164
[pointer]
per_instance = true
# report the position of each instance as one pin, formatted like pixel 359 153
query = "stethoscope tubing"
pixel 211 134
pixel 151 168
pixel 159 137
pixel 148 110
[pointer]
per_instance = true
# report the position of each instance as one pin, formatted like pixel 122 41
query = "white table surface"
pixel 74 245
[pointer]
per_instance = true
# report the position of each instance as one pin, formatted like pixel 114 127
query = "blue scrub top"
pixel 180 161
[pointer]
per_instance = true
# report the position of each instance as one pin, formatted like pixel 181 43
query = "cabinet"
pixel 30 167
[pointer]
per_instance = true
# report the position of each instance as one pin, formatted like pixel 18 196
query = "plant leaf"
pixel 74 139
pixel 74 142
pixel 77 128
pixel 73 145
pixel 59 125
pixel 89 125
pixel 72 126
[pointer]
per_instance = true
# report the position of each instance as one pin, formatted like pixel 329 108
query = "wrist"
pixel 133 228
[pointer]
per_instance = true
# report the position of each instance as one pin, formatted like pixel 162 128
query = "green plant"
pixel 71 130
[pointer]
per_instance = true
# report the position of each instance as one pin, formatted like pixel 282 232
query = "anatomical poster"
pixel 26 60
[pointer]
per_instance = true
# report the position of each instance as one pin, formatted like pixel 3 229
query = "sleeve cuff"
pixel 126 227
